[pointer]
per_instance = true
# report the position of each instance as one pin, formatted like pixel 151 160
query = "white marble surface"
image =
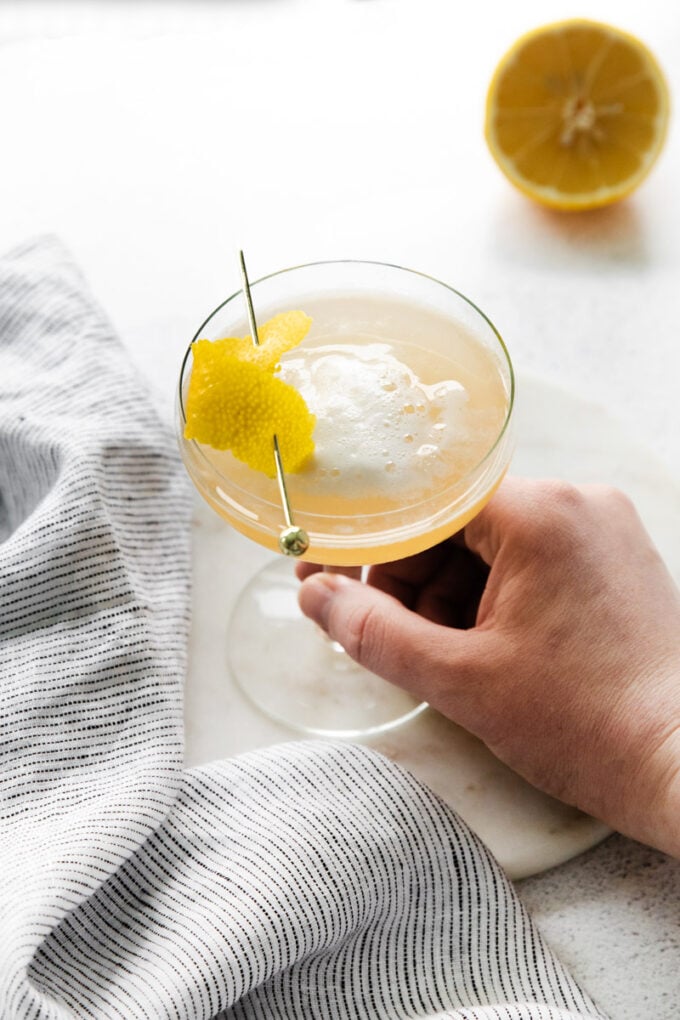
pixel 527 831
pixel 157 137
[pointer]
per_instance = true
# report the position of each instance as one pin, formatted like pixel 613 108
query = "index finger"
pixel 512 508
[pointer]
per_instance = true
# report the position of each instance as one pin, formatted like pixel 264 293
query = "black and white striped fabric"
pixel 306 881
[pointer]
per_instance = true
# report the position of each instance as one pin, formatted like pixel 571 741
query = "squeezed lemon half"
pixel 236 402
pixel 577 114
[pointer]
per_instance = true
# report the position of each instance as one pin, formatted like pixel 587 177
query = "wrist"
pixel 658 796
pixel 663 818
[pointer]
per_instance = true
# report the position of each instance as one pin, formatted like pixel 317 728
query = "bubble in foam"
pixel 363 396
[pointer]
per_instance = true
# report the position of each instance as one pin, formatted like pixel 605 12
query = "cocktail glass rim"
pixel 196 446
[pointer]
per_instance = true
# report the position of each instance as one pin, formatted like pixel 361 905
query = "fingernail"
pixel 316 594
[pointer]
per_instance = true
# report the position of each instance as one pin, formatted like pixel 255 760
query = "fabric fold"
pixel 94 568
pixel 306 880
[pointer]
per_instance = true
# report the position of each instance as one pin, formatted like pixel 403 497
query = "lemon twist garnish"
pixel 236 403
pixel 279 334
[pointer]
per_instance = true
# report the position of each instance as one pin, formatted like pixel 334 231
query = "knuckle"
pixel 553 516
pixel 612 497
pixel 562 518
pixel 563 497
pixel 364 635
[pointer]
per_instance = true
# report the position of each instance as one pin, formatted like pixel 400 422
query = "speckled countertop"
pixel 611 915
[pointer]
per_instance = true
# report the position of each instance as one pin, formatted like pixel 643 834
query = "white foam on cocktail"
pixel 380 430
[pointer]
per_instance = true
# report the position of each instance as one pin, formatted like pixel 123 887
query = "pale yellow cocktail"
pixel 410 440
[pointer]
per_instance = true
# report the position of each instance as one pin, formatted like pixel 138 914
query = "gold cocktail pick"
pixel 293 541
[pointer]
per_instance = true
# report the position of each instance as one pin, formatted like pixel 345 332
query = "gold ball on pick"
pixel 293 541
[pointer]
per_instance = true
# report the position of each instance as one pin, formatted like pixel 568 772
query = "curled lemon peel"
pixel 279 334
pixel 235 402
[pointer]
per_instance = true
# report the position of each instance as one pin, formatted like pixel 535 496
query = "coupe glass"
pixel 284 664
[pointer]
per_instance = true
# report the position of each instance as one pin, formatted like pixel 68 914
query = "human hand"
pixel 550 628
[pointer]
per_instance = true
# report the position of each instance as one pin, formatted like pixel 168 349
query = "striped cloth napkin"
pixel 310 880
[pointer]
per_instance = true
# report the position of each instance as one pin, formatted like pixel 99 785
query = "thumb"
pixel 441 665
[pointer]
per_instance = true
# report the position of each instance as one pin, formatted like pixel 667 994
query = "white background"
pixel 156 139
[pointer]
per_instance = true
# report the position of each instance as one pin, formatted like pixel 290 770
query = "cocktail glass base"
pixel 293 673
